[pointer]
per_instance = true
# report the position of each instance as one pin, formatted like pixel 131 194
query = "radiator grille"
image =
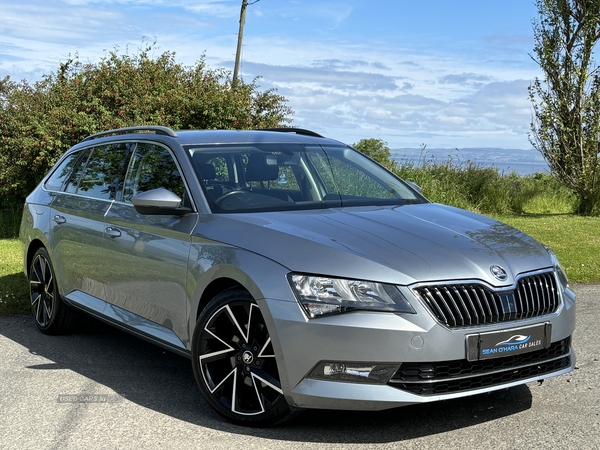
pixel 467 305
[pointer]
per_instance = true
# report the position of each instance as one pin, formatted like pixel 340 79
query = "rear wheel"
pixel 234 362
pixel 51 315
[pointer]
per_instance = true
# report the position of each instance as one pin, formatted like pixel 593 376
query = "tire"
pixel 51 314
pixel 234 362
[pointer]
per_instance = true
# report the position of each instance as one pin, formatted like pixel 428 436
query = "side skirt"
pixel 128 322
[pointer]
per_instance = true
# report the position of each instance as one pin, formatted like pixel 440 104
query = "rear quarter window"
pixel 62 173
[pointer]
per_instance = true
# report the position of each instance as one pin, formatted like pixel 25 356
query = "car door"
pixel 76 230
pixel 148 254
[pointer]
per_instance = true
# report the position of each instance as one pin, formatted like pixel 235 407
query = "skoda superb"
pixel 294 271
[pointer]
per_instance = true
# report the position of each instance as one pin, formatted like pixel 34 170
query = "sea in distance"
pixel 523 162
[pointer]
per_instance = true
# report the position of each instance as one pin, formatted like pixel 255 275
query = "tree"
pixel 376 149
pixel 39 122
pixel 566 103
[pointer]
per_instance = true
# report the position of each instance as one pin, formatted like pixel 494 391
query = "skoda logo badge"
pixel 247 357
pixel 498 272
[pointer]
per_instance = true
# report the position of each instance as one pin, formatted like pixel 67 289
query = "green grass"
pixel 14 291
pixel 575 239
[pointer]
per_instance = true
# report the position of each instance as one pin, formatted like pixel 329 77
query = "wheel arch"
pixel 33 247
pixel 249 271
pixel 232 267
pixel 214 288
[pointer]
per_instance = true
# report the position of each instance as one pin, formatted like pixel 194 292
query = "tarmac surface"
pixel 104 389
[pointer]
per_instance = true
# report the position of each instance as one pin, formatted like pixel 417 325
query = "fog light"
pixel 354 372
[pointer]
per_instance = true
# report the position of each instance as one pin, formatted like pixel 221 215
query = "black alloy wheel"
pixel 234 362
pixel 51 315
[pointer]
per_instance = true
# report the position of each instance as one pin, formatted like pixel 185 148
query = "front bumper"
pixel 318 394
pixel 433 358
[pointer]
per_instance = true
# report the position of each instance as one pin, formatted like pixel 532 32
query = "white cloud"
pixel 333 12
pixel 216 8
pixel 334 79
pixel 465 79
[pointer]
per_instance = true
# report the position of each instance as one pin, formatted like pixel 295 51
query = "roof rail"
pixel 301 131
pixel 163 131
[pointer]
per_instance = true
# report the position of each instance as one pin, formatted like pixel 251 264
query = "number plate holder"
pixel 509 342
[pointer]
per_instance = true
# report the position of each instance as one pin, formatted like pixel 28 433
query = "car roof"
pixel 246 136
pixel 201 137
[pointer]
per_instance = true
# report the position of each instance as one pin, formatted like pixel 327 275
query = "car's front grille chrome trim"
pixel 475 304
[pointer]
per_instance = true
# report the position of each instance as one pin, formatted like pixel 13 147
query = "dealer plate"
pixel 513 341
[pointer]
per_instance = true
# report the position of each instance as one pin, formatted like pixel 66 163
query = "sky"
pixel 446 74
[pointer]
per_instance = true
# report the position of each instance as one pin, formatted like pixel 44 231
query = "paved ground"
pixel 103 389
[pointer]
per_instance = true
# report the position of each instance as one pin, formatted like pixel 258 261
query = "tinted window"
pixel 63 171
pixel 77 171
pixel 103 175
pixel 152 167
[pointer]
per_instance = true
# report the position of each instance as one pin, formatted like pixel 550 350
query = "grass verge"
pixel 14 291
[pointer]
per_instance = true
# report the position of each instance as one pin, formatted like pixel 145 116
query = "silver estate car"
pixel 294 271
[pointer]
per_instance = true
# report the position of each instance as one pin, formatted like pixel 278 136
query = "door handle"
pixel 59 219
pixel 112 232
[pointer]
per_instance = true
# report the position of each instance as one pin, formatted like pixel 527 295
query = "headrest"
pixel 207 171
pixel 262 167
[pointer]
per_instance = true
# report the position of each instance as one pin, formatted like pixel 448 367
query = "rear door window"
pixel 103 175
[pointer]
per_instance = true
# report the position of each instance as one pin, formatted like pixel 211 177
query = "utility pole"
pixel 238 54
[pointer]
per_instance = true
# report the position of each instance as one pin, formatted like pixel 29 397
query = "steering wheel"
pixel 227 195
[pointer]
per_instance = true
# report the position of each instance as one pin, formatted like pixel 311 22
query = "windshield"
pixel 271 177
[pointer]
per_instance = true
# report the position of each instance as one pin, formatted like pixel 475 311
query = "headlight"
pixel 560 272
pixel 325 295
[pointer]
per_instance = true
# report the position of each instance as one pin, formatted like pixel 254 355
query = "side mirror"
pixel 159 202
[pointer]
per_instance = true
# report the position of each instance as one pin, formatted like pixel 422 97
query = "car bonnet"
pixel 400 245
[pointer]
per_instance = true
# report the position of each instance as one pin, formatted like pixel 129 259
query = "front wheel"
pixel 234 362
